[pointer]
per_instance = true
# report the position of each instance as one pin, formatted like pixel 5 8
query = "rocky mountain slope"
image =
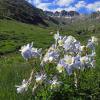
pixel 22 11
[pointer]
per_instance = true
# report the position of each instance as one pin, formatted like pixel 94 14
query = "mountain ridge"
pixel 23 11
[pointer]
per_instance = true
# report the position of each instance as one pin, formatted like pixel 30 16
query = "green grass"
pixel 13 68
pixel 14 34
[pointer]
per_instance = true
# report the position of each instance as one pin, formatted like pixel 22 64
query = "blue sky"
pixel 82 6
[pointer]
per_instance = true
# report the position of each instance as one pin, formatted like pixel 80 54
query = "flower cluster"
pixel 75 55
pixel 67 53
pixel 51 55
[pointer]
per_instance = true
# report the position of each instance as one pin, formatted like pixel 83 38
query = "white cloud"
pixel 65 5
pixel 34 2
pixel 63 2
pixel 98 9
pixel 39 4
pixel 43 6
pixel 94 6
pixel 71 8
pixel 80 4
pixel 90 7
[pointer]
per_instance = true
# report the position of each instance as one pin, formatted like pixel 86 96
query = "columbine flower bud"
pixel 60 42
pixel 56 36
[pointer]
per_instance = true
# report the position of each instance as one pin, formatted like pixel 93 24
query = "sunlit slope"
pixel 14 34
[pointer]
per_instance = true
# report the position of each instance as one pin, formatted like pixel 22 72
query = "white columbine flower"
pixel 22 88
pixel 40 77
pixel 61 65
pixel 85 62
pixel 76 47
pixel 68 59
pixel 92 42
pixel 72 63
pixel 36 52
pixel 69 42
pixel 51 55
pixel 84 59
pixel 66 63
pixel 54 84
pixel 61 41
pixel 28 51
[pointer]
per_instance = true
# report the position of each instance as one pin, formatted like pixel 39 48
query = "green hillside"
pixel 13 68
pixel 13 34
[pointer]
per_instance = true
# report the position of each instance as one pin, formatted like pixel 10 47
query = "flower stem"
pixel 75 79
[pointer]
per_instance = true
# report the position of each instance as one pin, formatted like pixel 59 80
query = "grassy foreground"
pixel 13 68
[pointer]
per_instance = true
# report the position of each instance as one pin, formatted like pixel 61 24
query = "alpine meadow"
pixel 49 54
